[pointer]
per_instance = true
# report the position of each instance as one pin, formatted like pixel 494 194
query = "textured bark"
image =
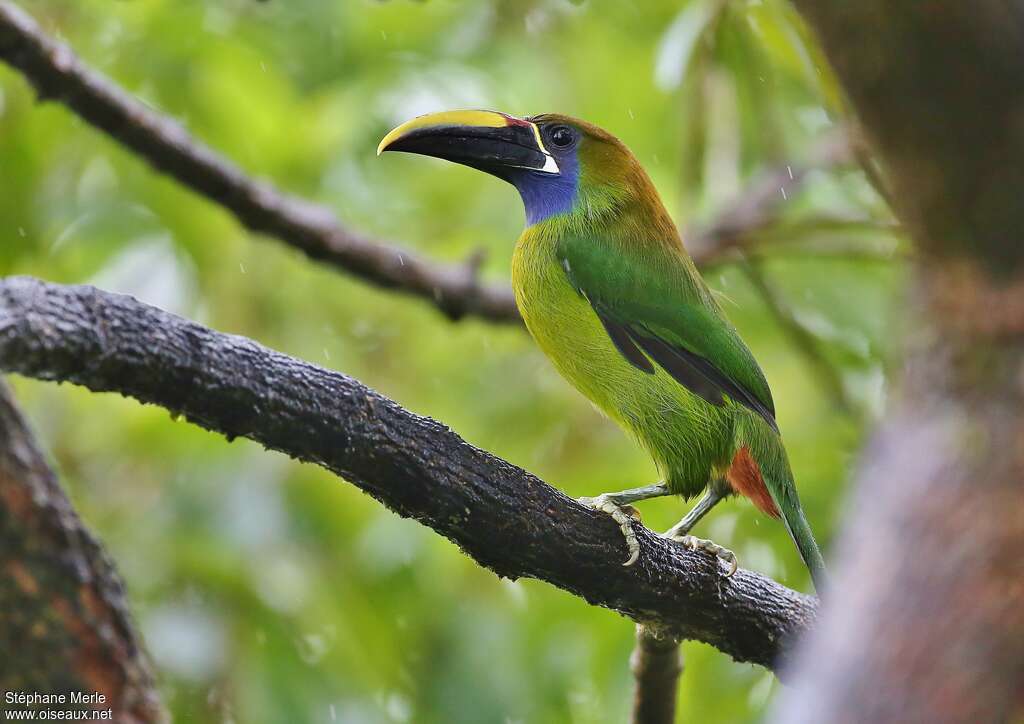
pixel 925 622
pixel 657 664
pixel 65 626
pixel 505 518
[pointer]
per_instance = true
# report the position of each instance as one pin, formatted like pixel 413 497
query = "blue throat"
pixel 545 195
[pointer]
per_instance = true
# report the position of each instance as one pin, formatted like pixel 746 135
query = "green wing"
pixel 657 310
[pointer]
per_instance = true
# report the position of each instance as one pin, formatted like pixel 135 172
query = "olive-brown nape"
pixel 588 129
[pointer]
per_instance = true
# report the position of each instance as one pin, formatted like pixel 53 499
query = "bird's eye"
pixel 562 136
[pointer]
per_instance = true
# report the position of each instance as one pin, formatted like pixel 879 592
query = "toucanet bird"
pixel 608 291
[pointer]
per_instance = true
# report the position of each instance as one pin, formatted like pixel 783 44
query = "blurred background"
pixel 270 591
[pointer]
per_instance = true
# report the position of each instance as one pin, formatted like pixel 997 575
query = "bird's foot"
pixel 694 543
pixel 624 515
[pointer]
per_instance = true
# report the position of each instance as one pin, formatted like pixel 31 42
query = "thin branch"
pixel 57 73
pixel 757 206
pixel 66 625
pixel 502 516
pixel 826 223
pixel 853 252
pixel 819 236
pixel 802 338
pixel 657 664
pixel 872 171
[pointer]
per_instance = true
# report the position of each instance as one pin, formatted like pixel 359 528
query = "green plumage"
pixel 618 253
pixel 608 291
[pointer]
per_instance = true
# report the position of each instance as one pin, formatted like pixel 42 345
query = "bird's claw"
pixel 624 515
pixel 694 543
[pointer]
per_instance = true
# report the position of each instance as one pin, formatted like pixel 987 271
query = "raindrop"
pixel 790 170
pixel 241 267
pixel 783 190
pixel 21 231
pixel 632 117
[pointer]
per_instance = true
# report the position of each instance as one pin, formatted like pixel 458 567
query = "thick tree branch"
pixel 56 72
pixel 66 626
pixel 505 518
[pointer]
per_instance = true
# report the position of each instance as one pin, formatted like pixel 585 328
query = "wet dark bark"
pixel 502 516
pixel 65 625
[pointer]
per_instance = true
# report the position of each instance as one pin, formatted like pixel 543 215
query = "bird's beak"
pixel 486 140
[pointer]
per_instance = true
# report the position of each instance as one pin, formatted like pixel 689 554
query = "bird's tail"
pixel 770 455
pixel 800 530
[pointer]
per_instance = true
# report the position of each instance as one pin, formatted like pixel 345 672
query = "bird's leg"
pixel 711 498
pixel 617 505
pixel 681 531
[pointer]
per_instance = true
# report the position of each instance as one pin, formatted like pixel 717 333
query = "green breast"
pixel 688 438
pixel 565 327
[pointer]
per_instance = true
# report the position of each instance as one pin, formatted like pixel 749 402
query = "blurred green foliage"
pixel 267 590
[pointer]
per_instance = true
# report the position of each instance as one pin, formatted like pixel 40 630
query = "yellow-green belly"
pixel 689 439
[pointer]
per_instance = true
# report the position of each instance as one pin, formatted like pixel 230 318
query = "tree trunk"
pixel 66 627
pixel 925 622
